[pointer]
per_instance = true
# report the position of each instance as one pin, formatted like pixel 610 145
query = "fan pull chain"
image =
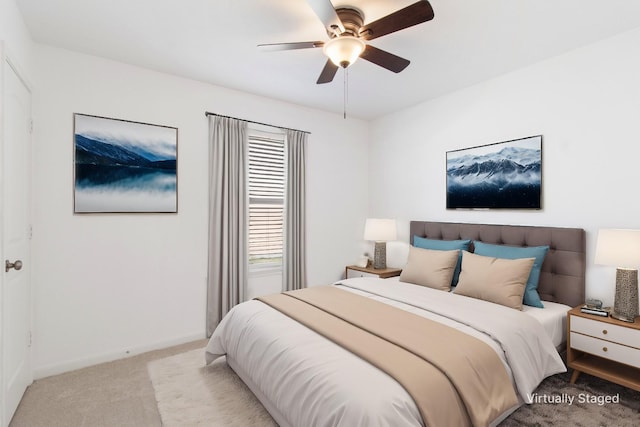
pixel 346 92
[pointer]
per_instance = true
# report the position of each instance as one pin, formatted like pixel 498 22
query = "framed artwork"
pixel 504 175
pixel 123 166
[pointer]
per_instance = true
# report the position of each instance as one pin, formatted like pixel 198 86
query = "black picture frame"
pixel 502 175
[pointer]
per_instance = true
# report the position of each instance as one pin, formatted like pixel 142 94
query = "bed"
pixel 305 379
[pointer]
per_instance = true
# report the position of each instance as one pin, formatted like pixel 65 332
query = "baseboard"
pixel 60 368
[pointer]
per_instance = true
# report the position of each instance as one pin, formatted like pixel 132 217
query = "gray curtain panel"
pixel 227 269
pixel 294 270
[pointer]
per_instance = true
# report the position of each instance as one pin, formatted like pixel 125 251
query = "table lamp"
pixel 621 249
pixel 380 231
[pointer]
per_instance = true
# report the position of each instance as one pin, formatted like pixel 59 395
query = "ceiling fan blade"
pixel 384 59
pixel 290 46
pixel 328 72
pixel 327 14
pixel 414 14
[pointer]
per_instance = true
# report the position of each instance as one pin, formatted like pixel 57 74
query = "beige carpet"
pixel 192 394
pixel 113 394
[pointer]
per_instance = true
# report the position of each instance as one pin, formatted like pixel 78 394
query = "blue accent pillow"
pixel 444 245
pixel 531 296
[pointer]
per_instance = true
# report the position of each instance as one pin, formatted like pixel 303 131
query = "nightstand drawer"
pixel 608 350
pixel 606 331
pixel 355 273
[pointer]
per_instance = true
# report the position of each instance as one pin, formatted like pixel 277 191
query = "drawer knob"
pixel 604 331
pixel 605 349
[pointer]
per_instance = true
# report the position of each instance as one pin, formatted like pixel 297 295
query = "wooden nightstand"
pixel 604 347
pixel 352 271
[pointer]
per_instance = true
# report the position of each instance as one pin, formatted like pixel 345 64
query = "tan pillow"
pixel 431 268
pixel 498 280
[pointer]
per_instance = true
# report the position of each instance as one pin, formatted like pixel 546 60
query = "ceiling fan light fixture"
pixel 344 50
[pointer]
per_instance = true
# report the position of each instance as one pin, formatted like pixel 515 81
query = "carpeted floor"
pixel 121 394
pixel 114 394
pixel 190 394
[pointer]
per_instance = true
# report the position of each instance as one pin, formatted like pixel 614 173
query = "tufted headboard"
pixel 563 272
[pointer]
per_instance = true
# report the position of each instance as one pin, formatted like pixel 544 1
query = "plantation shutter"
pixel 266 199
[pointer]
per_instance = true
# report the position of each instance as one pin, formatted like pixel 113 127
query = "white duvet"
pixel 308 380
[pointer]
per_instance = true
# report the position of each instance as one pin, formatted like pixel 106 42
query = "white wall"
pixel 109 285
pixel 15 36
pixel 586 104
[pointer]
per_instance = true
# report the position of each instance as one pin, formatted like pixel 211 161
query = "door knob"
pixel 8 265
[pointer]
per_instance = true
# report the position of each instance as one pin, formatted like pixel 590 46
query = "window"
pixel 266 199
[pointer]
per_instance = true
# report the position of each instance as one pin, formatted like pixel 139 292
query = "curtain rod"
pixel 207 113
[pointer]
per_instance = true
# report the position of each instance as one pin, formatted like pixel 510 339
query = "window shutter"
pixel 266 199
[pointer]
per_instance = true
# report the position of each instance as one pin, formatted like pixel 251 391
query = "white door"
pixel 15 212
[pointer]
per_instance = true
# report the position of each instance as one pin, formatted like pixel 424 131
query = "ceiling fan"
pixel 348 36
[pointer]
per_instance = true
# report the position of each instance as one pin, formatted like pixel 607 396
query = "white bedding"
pixel 553 318
pixel 309 381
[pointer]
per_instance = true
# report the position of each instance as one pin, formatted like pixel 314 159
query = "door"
pixel 16 224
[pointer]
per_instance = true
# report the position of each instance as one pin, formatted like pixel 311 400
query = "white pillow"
pixel 397 253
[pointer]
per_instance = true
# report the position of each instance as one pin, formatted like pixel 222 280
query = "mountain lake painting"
pixel 124 166
pixel 505 175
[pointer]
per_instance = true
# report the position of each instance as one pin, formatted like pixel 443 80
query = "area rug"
pixel 192 394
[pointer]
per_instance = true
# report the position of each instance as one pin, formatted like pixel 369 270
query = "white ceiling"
pixel 215 41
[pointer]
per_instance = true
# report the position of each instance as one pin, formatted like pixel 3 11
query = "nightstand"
pixel 604 347
pixel 352 271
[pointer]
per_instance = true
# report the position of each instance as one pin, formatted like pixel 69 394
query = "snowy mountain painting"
pixel 123 166
pixel 505 175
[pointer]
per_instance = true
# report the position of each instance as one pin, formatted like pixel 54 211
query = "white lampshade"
pixel 343 50
pixel 618 248
pixel 380 230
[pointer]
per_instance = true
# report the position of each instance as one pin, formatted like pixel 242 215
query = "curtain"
pixel 227 259
pixel 294 269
